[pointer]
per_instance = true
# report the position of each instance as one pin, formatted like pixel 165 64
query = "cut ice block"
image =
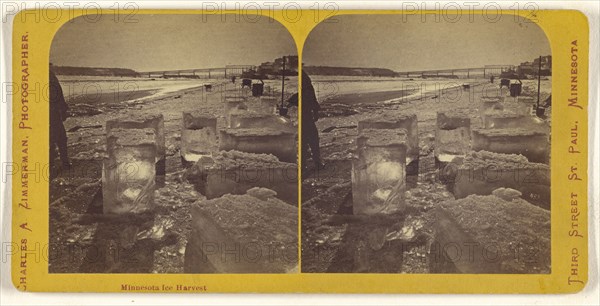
pixel 483 172
pixel 493 235
pixel 379 172
pixel 452 135
pixel 245 119
pixel 406 121
pixel 124 137
pixel 242 234
pixel 490 103
pixel 235 172
pixel 533 144
pixel 128 174
pixel 518 107
pixel 280 143
pixel 453 119
pixel 508 119
pixel 528 100
pixel 263 105
pixel 234 103
pixel 527 104
pixel 155 122
pixel 452 143
pixel 369 136
pixel 198 135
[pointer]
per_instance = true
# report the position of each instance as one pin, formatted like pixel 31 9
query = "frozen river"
pixel 350 90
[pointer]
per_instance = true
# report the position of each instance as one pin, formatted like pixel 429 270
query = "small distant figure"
pixel 310 115
pixel 247 82
pixel 58 114
pixel 492 79
pixel 233 79
pixel 208 87
pixel 505 82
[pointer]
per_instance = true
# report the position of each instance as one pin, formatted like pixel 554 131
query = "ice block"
pixel 198 135
pixel 236 172
pixel 483 172
pixel 280 143
pixel 242 234
pixel 245 119
pixel 407 121
pixel 452 135
pixel 128 174
pixel 514 118
pixel 263 105
pixel 528 100
pixel 155 122
pixel 490 103
pixel 234 103
pixel 489 234
pixel 531 143
pixel 379 172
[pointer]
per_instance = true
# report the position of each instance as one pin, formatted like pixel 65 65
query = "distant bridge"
pixel 486 71
pixel 207 73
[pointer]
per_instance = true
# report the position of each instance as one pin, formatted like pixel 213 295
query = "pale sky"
pixel 388 41
pixel 170 42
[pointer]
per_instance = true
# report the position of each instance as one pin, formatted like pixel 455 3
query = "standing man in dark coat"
pixel 310 114
pixel 58 114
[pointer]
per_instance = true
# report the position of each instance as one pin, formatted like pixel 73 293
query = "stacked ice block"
pixel 531 143
pixel 406 121
pixel 233 105
pixel 128 174
pixel 529 100
pixel 245 119
pixel 198 135
pixel 527 104
pixel 235 172
pixel 490 103
pixel 452 135
pixel 483 172
pixel 278 142
pixel 154 122
pixel 379 171
pixel 513 118
pixel 263 105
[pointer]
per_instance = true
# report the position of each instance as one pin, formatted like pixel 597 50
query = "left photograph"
pixel 173 145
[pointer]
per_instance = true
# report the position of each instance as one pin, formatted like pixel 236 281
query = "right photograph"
pixel 426 145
